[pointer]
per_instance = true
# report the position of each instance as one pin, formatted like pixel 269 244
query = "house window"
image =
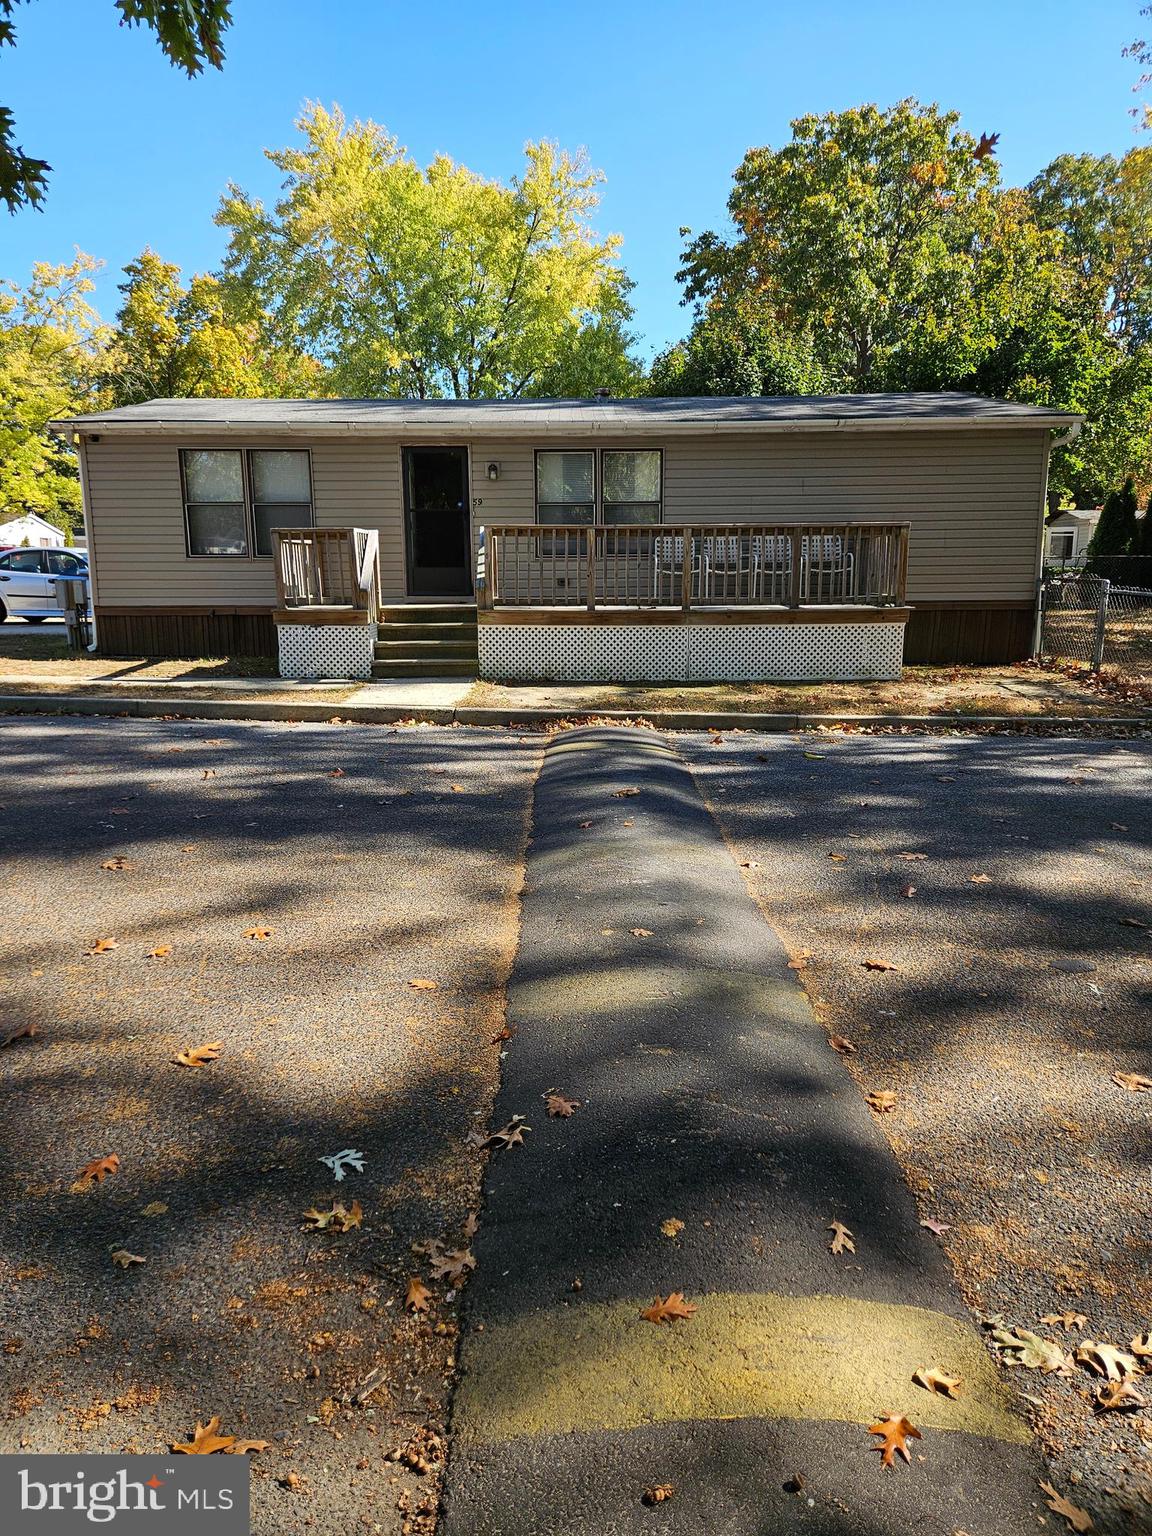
pixel 214 501
pixel 628 490
pixel 1061 545
pixel 631 485
pixel 234 498
pixel 565 487
pixel 281 493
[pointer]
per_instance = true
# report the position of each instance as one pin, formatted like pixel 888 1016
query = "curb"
pixel 378 714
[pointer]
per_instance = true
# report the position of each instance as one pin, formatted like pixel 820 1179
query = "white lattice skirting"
pixel 309 651
pixel 691 653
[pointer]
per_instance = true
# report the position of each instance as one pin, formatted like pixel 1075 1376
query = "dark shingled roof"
pixel 538 417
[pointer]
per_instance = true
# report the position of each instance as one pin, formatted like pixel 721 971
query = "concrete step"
pixel 431 666
pixel 428 613
pixel 417 650
pixel 405 631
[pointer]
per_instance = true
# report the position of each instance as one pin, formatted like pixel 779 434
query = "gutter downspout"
pixel 86 503
pixel 1055 440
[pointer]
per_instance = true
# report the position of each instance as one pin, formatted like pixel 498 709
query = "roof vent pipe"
pixel 602 393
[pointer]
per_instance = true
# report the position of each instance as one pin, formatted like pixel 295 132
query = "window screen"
pixel 281 492
pixel 214 501
pixel 632 490
pixel 565 487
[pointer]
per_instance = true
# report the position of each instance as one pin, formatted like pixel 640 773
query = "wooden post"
pixel 686 570
pixel 796 545
pixel 590 535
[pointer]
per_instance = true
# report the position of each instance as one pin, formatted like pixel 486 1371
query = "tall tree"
pixel 1117 526
pixel 406 281
pixel 735 349
pixel 865 230
pixel 50 345
pixel 190 32
pixel 172 340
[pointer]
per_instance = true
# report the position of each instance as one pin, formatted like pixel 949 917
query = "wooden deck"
pixel 825 568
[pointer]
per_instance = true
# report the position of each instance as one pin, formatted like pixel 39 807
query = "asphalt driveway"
pixel 369 859
pixel 1024 857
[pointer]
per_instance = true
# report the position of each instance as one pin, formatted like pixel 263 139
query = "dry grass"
pixel 1023 691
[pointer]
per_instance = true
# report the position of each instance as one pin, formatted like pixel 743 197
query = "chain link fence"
pixel 1089 619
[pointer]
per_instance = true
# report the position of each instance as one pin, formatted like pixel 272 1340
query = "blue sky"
pixel 665 95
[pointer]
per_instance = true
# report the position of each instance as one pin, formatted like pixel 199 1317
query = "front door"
pixel 439 527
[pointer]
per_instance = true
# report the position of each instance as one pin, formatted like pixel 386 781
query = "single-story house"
pixel 1069 535
pixel 686 539
pixel 30 529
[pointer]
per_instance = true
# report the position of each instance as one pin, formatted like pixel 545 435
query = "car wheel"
pixel 37 619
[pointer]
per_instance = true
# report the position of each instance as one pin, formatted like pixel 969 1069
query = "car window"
pixel 62 563
pixel 24 560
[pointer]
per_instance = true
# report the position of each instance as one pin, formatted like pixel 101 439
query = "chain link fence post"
pixel 1101 626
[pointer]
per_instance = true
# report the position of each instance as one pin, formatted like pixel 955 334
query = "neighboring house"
pixel 33 530
pixel 1068 536
pixel 684 538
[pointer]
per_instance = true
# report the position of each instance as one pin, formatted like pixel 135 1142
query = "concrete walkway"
pixel 648 987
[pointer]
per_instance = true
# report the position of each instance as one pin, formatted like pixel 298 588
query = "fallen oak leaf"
pixel 933 1379
pixel 159 952
pixel 1074 1320
pixel 937 1227
pixel 423 984
pixel 101 946
pixel 125 1259
pixel 118 861
pixel 242 1447
pixel 1119 1397
pixel 559 1107
pixel 1019 1346
pixel 205 1440
pixel 417 1296
pixel 895 1431
pixel 208 773
pixel 881 1100
pixel 908 891
pixel 258 933
pixel 843 1241
pixel 340 1218
pixel 673 1306
pixel 200 1055
pixel 640 933
pixel 336 773
pixel 841 1044
pixel 1135 1082
pixel 1106 1359
pixel 912 858
pixel 672 1227
pixel 624 794
pixel 97 1171
pixel 660 1492
pixel 1078 1519
pixel 452 1266
pixel 879 965
pixel 979 879
pixel 154 1208
pixel 1141 1347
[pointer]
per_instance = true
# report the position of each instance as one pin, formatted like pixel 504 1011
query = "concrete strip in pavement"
pixel 648 987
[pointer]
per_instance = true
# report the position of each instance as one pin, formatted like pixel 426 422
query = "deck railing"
pixel 659 565
pixel 327 568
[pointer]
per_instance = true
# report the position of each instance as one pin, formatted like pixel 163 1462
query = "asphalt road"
pixel 649 988
pixel 373 857
pixel 1033 855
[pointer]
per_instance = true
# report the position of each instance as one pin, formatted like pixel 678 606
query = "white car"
pixel 28 580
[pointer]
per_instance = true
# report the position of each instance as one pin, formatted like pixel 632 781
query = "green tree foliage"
pixel 190 32
pixel 884 241
pixel 1117 526
pixel 433 282
pixel 1142 541
pixel 51 342
pixel 734 350
pixel 171 340
pixel 880 233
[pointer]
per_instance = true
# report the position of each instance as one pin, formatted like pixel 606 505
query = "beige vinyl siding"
pixel 973 498
pixel 137 519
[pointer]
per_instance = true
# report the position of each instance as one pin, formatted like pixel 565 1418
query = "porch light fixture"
pixel 493 471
